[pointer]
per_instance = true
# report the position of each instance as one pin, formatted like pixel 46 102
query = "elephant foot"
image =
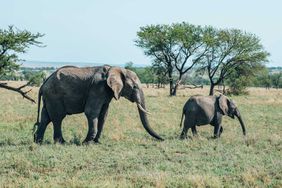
pixel 59 140
pixel 37 139
pixel 87 141
pixel 96 141
pixel 183 137
pixel 216 136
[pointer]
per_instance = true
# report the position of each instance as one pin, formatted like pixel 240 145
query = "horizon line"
pixel 88 63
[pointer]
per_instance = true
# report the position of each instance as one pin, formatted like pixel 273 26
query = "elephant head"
pixel 229 108
pixel 125 83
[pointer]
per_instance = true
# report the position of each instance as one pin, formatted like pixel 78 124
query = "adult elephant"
pixel 201 110
pixel 72 90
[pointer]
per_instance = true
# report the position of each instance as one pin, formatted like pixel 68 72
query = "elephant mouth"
pixel 232 114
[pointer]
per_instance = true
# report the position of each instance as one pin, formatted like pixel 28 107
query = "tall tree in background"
pixel 157 40
pixel 160 74
pixel 276 80
pixel 12 43
pixel 262 78
pixel 227 50
pixel 176 47
pixel 241 77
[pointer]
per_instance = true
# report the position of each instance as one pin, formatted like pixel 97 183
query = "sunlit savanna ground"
pixel 129 157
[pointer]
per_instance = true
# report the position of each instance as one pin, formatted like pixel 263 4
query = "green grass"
pixel 129 157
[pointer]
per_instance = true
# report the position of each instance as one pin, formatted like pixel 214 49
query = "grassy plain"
pixel 128 157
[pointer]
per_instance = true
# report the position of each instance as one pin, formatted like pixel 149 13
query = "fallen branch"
pixel 19 90
pixel 194 86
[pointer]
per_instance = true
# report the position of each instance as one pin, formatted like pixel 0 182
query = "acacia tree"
pixel 227 50
pixel 13 42
pixel 176 47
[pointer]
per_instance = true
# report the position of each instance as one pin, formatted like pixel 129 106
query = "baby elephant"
pixel 202 110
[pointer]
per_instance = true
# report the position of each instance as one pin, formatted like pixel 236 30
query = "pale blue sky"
pixel 104 31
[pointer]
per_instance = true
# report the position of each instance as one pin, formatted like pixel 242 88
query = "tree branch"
pixel 19 90
pixel 156 56
pixel 4 51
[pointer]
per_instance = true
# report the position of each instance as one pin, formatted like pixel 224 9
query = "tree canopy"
pixel 13 42
pixel 179 47
pixel 175 48
pixel 231 50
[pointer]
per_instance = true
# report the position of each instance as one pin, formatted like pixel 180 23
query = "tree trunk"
pixel 211 88
pixel 170 82
pixel 170 87
pixel 174 90
pixel 177 83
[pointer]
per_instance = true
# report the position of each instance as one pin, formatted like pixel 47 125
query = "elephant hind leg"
pixel 187 125
pixel 45 120
pixel 183 134
pixel 58 136
pixel 194 131
pixel 57 113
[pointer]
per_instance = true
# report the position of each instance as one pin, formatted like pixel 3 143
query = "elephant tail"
pixel 38 112
pixel 181 119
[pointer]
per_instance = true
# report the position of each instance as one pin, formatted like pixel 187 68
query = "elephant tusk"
pixel 142 109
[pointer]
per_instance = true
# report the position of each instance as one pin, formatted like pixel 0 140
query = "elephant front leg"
pixel 217 126
pixel 221 130
pixel 92 124
pixel 101 120
pixel 217 130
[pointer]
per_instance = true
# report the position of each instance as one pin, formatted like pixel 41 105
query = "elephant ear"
pixel 114 81
pixel 223 104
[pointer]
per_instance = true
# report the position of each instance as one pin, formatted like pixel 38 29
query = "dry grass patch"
pixel 129 157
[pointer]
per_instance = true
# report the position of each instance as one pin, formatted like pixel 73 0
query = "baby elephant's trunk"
pixel 238 115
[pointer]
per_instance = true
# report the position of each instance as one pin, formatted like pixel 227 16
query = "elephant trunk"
pixel 241 122
pixel 143 116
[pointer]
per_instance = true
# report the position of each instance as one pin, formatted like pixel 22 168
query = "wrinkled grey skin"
pixel 202 110
pixel 72 90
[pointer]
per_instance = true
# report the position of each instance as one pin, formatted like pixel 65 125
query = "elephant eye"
pixel 135 87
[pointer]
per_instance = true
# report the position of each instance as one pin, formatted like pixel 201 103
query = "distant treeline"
pixel 35 75
pixel 270 77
